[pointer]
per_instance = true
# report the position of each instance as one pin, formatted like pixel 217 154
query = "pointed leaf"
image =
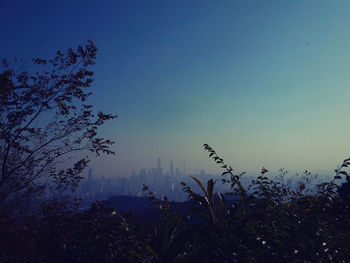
pixel 200 185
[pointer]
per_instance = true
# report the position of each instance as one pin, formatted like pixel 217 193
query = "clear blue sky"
pixel 266 83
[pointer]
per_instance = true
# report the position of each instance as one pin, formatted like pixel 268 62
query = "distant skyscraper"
pixel 143 171
pixel 159 168
pixel 154 171
pixel 177 172
pixel 90 174
pixel 184 168
pixel 171 169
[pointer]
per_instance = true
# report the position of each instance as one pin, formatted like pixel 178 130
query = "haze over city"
pixel 263 83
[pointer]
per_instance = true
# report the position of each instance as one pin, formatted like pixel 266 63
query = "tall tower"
pixel 159 168
pixel 90 174
pixel 171 169
pixel 184 168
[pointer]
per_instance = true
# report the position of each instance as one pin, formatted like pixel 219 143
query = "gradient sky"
pixel 266 83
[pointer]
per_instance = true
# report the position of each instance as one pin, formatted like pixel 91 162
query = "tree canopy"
pixel 44 121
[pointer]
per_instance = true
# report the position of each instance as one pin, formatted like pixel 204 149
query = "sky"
pixel 265 83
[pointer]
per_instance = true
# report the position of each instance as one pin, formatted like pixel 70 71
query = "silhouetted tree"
pixel 44 121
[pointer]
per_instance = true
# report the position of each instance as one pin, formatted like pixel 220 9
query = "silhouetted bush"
pixel 269 221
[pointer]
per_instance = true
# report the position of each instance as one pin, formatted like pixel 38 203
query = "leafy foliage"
pixel 100 234
pixel 44 120
pixel 273 221
pixel 269 221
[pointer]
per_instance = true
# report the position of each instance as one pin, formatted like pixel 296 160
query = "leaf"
pixel 210 188
pixel 200 185
pixel 323 185
pixel 224 173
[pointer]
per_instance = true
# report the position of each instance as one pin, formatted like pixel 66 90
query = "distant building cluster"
pixel 161 183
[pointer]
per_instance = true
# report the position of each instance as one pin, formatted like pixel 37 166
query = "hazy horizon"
pixel 263 83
